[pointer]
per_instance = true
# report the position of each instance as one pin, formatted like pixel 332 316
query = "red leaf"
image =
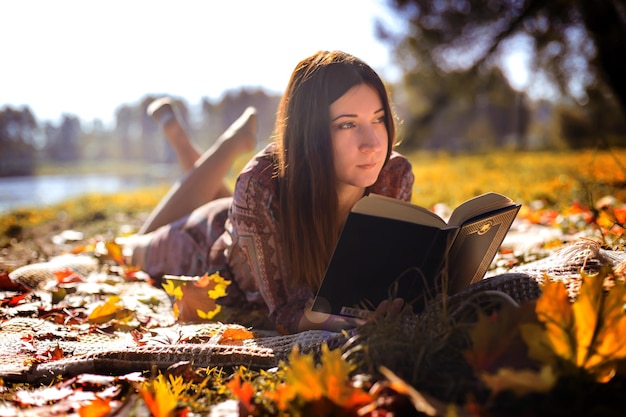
pixel 7 284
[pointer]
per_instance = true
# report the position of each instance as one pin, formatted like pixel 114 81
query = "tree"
pixel 17 141
pixel 63 142
pixel 577 45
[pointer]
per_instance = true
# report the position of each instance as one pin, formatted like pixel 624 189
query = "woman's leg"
pixel 163 112
pixel 204 181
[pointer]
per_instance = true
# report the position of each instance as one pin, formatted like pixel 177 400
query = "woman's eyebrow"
pixel 344 115
pixel 382 109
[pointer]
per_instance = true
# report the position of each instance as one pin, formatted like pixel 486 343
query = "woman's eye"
pixel 346 125
pixel 381 119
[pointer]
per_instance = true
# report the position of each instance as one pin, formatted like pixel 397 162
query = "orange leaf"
pixel 243 391
pixel 232 336
pixel 67 276
pixel 96 408
pixel 115 252
pixel 162 396
pixel 196 298
pixel 400 386
pixel 331 379
pixel 496 339
pixel 56 353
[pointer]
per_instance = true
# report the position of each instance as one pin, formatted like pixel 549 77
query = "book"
pixel 390 248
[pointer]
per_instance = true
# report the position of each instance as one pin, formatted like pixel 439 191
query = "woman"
pixel 273 238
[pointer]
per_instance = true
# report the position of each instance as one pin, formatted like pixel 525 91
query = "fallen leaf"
pixel 96 408
pixel 243 391
pixel 330 379
pixel 162 395
pixel 587 334
pixel 67 276
pixel 112 308
pixel 196 298
pixel 233 336
pixel 497 341
pixel 520 382
pixel 400 386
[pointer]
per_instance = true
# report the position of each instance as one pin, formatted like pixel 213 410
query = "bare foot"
pixel 242 133
pixel 163 112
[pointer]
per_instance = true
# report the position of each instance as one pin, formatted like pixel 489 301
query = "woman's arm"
pixel 257 261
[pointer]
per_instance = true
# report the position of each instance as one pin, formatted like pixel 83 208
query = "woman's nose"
pixel 372 139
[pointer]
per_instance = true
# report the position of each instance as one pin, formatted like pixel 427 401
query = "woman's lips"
pixel 367 166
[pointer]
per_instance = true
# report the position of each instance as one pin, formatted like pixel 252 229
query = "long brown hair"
pixel 304 158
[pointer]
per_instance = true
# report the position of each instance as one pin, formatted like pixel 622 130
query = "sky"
pixel 88 57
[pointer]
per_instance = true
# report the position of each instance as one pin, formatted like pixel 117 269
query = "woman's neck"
pixel 346 199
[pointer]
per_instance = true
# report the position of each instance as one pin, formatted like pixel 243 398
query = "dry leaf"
pixel 496 339
pixel 96 408
pixel 162 396
pixel 521 382
pixel 400 386
pixel 586 334
pixel 243 391
pixel 107 311
pixel 330 379
pixel 232 336
pixel 196 298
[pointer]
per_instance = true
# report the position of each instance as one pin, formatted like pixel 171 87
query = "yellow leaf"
pixel 106 311
pixel 198 297
pixel 555 311
pixel 172 288
pixel 208 315
pixel 162 396
pixel 521 382
pixel 329 379
pixel 587 334
pixel 609 342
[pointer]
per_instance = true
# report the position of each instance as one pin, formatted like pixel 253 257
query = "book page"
pixel 382 206
pixel 477 206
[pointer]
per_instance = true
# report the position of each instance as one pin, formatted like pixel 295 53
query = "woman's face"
pixel 359 136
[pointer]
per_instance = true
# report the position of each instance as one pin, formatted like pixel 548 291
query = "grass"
pixel 557 178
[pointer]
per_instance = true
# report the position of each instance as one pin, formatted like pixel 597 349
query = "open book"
pixel 390 248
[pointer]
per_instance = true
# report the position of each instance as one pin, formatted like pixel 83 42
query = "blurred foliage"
pixel 450 52
pixel 555 178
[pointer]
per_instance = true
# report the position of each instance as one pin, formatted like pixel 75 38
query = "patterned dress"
pixel 239 237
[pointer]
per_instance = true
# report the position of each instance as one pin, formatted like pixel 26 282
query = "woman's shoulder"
pixel 260 168
pixel 258 174
pixel 397 167
pixel 396 178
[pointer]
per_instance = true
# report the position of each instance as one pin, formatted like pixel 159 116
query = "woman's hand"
pixel 389 309
pixel 312 320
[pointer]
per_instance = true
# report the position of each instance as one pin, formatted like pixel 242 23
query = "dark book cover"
pixel 476 246
pixel 379 257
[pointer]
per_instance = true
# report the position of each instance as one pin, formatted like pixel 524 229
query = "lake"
pixel 43 190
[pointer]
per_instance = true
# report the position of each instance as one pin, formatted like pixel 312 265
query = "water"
pixel 37 191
